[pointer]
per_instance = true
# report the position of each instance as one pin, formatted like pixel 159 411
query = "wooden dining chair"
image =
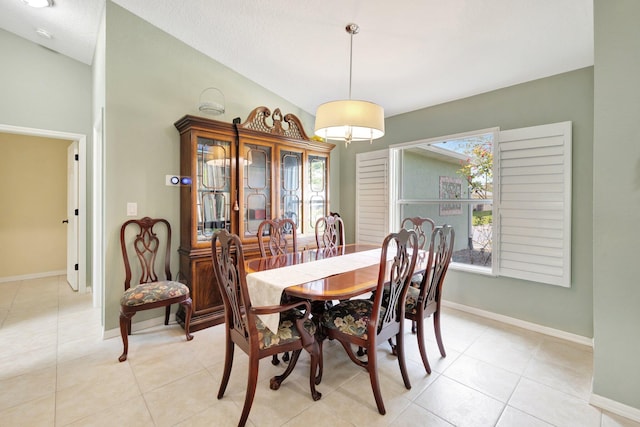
pixel 366 323
pixel 153 254
pixel 278 244
pixel 423 227
pixel 329 232
pixel 424 301
pixel 245 329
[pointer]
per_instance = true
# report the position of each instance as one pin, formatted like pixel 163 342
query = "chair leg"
pixel 315 356
pixel 436 327
pixel 275 382
pixel 401 361
pixel 274 360
pixel 252 381
pixel 167 313
pixel 394 350
pixel 188 307
pixel 413 326
pixel 320 362
pixel 372 367
pixel 125 330
pixel 421 345
pixel 228 363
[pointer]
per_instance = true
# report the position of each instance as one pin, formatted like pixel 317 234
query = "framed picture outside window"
pixel 450 189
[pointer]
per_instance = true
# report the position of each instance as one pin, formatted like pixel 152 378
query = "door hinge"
pixel 77 157
pixel 75 212
pixel 75 267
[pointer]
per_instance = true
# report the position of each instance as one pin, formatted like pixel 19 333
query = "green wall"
pixel 616 201
pixel 554 99
pixel 42 89
pixel 151 81
pixel 29 96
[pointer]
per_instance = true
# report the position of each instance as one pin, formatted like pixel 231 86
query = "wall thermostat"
pixel 173 180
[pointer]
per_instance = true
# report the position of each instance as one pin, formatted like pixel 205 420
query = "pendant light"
pixel 350 120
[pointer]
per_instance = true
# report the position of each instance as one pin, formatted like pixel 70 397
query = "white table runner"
pixel 265 287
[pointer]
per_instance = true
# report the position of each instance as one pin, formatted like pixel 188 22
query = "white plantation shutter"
pixel 372 197
pixel 534 203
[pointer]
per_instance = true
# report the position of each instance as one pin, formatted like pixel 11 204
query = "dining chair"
pixel 244 328
pixel 277 244
pixel 329 232
pixel 424 301
pixel 366 323
pixel 153 254
pixel 423 227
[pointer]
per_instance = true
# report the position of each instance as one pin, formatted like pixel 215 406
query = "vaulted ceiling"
pixel 409 54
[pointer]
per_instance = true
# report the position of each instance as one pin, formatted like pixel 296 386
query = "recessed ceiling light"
pixel 43 33
pixel 38 3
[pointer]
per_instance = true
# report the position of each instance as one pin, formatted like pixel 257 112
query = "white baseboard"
pixel 579 339
pixel 139 326
pixel 615 407
pixel 33 276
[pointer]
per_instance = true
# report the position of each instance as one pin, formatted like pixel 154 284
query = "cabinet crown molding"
pixel 257 121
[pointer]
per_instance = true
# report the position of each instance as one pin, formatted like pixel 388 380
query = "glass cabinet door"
pixel 213 187
pixel 317 189
pixel 257 187
pixel 291 187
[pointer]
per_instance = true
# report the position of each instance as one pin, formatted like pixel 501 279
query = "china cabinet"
pixel 242 173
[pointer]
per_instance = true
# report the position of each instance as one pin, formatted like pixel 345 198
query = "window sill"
pixel 469 268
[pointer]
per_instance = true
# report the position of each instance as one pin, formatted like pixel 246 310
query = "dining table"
pixel 317 275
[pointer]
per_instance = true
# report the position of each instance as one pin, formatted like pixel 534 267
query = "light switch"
pixel 132 209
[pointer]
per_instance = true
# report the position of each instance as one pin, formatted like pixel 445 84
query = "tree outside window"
pixel 477 170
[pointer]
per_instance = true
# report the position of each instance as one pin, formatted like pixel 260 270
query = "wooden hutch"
pixel 242 173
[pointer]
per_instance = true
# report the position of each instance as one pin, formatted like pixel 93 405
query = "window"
pixel 507 194
pixel 450 180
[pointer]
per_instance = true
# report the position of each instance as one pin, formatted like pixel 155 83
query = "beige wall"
pixel 33 194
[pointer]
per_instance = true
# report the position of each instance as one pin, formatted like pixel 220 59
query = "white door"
pixel 72 217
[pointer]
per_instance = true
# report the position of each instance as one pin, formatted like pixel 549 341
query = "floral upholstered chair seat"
pixel 410 304
pixel 416 280
pixel 350 317
pixel 147 293
pixel 287 329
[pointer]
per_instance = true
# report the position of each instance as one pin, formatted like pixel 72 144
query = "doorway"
pixel 78 140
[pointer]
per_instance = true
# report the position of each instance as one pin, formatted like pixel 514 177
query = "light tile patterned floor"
pixel 55 370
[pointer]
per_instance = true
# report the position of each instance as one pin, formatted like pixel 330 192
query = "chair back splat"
pixel 277 242
pixel 423 228
pixel 245 329
pixel 329 232
pixel 152 239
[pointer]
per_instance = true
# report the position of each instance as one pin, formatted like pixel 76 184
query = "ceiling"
pixel 409 54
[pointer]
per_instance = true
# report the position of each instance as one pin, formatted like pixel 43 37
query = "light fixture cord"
pixel 350 63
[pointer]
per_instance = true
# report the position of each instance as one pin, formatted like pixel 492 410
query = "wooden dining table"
pixel 352 280
pixel 334 287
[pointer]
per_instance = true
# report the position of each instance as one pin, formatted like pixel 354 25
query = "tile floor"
pixel 55 370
